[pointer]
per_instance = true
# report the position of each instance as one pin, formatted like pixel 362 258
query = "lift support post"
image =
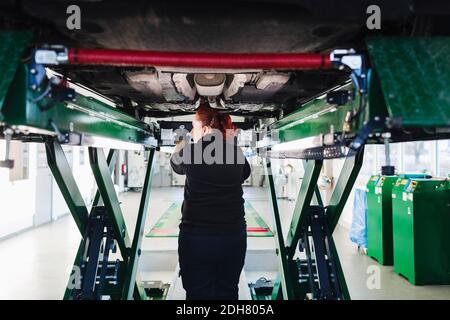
pixel 112 157
pixel 352 127
pixel 130 252
pixel 286 280
pixel 290 280
pixel 39 109
pixel 127 292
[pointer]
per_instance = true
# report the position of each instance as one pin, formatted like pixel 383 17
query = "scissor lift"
pixel 389 100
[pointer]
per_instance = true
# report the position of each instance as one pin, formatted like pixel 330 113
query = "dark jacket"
pixel 215 171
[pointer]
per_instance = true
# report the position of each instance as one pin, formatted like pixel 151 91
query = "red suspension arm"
pixel 292 61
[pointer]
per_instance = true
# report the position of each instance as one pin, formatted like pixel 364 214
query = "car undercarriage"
pixel 231 27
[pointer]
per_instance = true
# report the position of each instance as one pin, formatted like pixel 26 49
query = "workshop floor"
pixel 36 263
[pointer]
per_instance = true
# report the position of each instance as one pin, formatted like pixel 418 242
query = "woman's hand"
pixel 179 145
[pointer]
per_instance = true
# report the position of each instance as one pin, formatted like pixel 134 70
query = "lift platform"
pixel 397 91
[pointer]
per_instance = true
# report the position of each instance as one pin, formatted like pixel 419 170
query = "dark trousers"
pixel 210 265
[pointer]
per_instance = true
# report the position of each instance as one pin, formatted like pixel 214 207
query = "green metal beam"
pixel 76 266
pixel 414 73
pixel 308 193
pixel 339 270
pixel 130 277
pixel 63 175
pixel 285 270
pixel 314 118
pixel 408 89
pixel 317 199
pixel 112 158
pixel 108 193
pixel 84 115
pixel 305 195
pixel 343 187
pixel 12 48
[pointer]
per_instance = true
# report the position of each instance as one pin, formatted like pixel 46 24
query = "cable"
pixel 41 96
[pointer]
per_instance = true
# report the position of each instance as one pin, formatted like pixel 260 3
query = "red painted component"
pixel 289 61
pixel 123 168
pixel 257 229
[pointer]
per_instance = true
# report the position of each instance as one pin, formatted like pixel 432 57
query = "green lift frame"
pixel 124 282
pixel 347 116
pixel 70 117
pixel 401 100
pixel 296 279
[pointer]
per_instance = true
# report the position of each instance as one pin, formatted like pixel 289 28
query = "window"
pixel 20 154
pixel 82 156
pixel 395 151
pixel 418 156
pixel 68 152
pixel 443 158
pixel 369 161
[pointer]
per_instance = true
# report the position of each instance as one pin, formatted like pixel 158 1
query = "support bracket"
pixel 317 273
pixel 101 230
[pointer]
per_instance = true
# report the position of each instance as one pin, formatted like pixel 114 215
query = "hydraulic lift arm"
pixel 397 105
pixel 39 107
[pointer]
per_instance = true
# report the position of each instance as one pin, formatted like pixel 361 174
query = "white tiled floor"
pixel 36 263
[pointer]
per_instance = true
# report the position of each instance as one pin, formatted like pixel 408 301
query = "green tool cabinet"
pixel 379 218
pixel 421 220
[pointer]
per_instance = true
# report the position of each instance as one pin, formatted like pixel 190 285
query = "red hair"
pixel 216 120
